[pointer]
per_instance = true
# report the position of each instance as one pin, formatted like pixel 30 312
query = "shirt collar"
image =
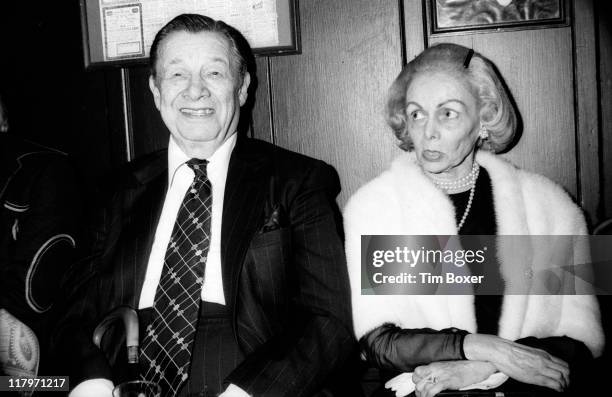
pixel 218 163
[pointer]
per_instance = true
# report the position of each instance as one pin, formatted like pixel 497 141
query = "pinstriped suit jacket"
pixel 284 273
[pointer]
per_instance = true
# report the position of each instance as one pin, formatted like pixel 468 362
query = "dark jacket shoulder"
pixel 299 162
pixel 25 164
pixel 289 166
pixel 142 170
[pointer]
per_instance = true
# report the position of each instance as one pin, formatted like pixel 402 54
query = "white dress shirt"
pixel 180 177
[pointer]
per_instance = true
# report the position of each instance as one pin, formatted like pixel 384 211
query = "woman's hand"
pixel 442 375
pixel 523 363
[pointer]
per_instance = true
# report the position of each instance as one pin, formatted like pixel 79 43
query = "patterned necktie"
pixel 166 349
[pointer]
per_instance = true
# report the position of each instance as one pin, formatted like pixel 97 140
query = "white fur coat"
pixel 402 201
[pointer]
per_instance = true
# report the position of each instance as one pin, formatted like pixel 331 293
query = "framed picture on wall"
pixel 120 32
pixel 472 15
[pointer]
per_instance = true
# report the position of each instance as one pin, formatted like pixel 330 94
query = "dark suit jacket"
pixel 284 273
pixel 39 212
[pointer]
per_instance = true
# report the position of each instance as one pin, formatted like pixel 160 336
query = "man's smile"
pixel 197 112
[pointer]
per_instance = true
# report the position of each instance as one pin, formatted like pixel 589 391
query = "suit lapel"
pixel 146 201
pixel 245 194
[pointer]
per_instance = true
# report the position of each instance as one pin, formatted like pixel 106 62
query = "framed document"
pixel 120 32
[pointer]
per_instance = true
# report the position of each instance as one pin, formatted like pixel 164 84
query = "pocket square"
pixel 274 220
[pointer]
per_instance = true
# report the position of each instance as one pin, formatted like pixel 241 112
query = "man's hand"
pixel 443 375
pixel 523 363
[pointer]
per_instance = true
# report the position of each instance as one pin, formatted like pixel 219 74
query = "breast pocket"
pixel 268 267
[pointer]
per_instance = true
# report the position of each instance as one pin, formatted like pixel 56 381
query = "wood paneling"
pixel 414 29
pixel 328 102
pixel 261 125
pixel 586 98
pixel 537 67
pixel 604 10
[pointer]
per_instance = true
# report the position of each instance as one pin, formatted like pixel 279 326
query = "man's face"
pixel 197 90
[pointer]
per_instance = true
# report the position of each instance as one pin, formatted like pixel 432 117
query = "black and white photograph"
pixel 305 198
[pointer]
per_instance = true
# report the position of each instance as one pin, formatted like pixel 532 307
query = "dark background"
pixel 50 97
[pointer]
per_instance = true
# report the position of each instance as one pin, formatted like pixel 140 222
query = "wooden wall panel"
pixel 328 102
pixel 605 79
pixel 414 29
pixel 586 99
pixel 537 66
pixel 261 116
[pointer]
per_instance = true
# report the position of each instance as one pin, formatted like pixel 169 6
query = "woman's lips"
pixel 432 155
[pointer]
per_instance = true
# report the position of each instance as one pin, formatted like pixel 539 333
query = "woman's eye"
pixel 417 115
pixel 450 114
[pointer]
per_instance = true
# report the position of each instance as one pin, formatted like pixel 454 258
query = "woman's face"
pixel 443 118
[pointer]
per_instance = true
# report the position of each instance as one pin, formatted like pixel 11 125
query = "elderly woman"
pixel 450 112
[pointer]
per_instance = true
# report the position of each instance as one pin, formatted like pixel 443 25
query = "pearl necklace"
pixel 470 199
pixel 461 183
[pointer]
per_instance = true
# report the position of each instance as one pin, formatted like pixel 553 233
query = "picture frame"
pixel 118 33
pixel 448 16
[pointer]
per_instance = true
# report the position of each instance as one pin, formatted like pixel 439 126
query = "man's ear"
pixel 155 92
pixel 243 92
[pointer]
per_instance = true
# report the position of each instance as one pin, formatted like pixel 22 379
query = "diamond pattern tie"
pixel 166 349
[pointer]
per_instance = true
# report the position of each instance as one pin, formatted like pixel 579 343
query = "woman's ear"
pixel 487 112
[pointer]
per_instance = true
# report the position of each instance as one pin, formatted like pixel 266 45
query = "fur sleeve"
pixel 365 214
pixel 553 212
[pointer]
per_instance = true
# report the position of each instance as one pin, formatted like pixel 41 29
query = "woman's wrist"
pixel 491 368
pixel 477 347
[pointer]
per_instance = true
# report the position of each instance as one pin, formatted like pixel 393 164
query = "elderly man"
pixel 229 247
